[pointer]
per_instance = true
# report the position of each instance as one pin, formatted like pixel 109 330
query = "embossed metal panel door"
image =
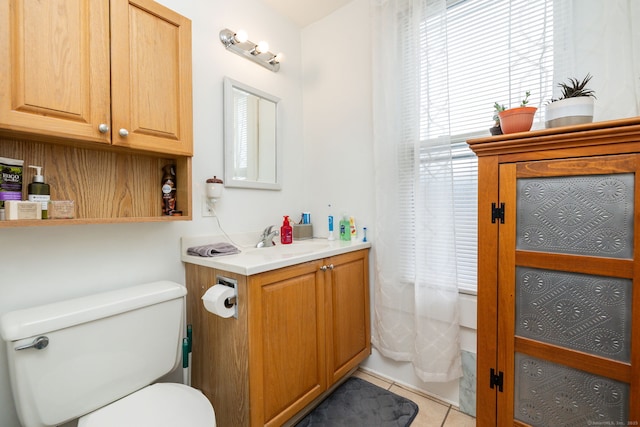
pixel 568 336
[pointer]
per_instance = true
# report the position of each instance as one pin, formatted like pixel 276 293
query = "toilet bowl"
pixel 158 405
pixel 97 359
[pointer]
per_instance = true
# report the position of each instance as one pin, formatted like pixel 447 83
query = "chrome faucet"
pixel 266 239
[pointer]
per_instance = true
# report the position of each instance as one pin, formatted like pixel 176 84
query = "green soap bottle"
pixel 39 191
pixel 345 228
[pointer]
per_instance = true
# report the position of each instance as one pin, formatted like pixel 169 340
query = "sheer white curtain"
pixel 424 101
pixel 416 293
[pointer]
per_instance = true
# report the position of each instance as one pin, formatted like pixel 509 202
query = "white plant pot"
pixel 569 111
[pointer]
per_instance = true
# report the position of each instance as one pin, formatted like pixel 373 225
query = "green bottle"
pixel 39 191
pixel 345 228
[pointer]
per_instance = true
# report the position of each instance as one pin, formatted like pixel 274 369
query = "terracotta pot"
pixel 517 119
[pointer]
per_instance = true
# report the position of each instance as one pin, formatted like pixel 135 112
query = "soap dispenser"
pixel 286 231
pixel 345 228
pixel 39 191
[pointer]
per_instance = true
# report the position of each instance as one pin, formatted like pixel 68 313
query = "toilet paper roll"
pixel 214 300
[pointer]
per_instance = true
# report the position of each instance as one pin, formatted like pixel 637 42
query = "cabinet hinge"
pixel 496 379
pixel 497 213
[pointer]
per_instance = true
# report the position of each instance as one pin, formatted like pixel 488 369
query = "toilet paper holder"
pixel 231 301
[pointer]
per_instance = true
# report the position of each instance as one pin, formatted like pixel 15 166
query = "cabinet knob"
pixel 123 132
pixel 103 128
pixel 323 268
pixel 330 266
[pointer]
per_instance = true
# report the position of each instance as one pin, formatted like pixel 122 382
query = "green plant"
pixel 575 88
pixel 497 109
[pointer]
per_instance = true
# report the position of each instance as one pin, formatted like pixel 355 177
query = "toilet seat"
pixel 157 405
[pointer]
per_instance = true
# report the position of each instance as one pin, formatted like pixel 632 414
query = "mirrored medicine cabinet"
pixel 252 150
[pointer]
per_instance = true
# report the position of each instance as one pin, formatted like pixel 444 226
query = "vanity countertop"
pixel 253 260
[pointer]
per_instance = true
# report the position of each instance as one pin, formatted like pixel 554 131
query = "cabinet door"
pixel 151 77
pixel 54 72
pixel 348 327
pixel 287 342
pixel 568 313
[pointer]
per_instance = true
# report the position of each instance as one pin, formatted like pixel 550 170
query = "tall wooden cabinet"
pixel 98 93
pixel 300 330
pixel 559 276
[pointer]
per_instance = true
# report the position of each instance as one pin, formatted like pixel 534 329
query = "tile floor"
pixel 432 412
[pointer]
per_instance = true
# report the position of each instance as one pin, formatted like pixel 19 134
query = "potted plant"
pixel 517 119
pixel 574 107
pixel 496 129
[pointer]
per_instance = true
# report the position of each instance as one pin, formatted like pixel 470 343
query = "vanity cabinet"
pixel 558 276
pixel 107 71
pixel 299 331
pixel 98 93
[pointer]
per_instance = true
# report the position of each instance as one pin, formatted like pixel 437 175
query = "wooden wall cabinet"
pixel 99 94
pixel 114 72
pixel 558 276
pixel 299 330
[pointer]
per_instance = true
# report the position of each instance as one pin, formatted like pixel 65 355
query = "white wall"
pixel 337 116
pixel 46 264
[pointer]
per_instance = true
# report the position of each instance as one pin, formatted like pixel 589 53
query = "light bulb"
pixel 241 36
pixel 262 47
pixel 278 58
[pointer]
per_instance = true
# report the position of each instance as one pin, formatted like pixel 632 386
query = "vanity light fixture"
pixel 257 52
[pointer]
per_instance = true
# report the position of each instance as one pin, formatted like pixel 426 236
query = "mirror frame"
pixel 229 180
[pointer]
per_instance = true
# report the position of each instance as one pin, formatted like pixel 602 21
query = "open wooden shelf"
pixel 107 183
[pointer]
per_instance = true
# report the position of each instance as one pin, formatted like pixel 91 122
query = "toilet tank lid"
pixel 33 321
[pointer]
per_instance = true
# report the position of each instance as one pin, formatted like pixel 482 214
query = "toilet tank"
pixel 101 348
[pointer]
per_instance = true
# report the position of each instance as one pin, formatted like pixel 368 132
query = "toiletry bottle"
pixel 353 232
pixel 168 186
pixel 330 237
pixel 330 228
pixel 286 231
pixel 39 191
pixel 345 228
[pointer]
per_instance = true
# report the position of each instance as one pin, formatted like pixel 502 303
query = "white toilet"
pixel 94 358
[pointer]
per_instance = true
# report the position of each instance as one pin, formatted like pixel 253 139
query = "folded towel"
pixel 214 249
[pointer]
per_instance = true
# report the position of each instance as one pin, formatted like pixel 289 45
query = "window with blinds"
pixel 495 51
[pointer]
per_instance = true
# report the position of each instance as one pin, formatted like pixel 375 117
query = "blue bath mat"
pixel 358 403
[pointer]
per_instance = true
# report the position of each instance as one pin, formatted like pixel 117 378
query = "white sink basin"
pixel 286 251
pixel 258 260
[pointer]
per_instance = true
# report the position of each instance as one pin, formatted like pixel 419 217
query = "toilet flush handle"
pixel 38 343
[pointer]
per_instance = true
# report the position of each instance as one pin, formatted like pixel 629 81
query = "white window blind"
pixel 497 51
pixel 493 51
